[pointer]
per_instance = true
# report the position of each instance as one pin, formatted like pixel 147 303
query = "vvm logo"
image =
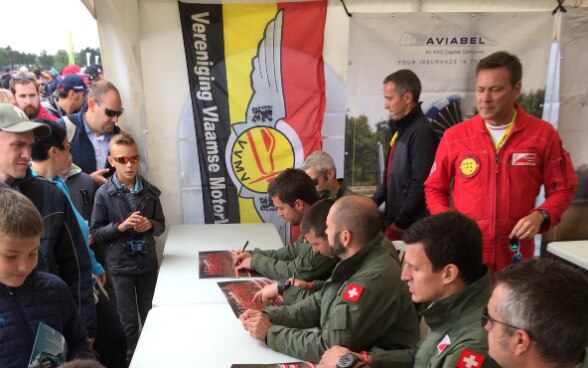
pixel 264 145
pixel 258 155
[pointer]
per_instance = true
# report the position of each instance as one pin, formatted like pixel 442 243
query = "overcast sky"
pixel 35 25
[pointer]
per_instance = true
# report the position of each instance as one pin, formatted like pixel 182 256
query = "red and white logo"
pixel 524 159
pixel 470 359
pixel 352 293
pixel 443 344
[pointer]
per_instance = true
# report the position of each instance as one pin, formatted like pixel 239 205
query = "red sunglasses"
pixel 126 159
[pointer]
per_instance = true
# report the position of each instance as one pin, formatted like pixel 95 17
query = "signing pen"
pixel 245 246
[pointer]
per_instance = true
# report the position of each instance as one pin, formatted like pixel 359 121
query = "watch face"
pixel 346 361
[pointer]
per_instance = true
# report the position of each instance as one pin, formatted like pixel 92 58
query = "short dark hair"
pixel 501 59
pixel 405 80
pixel 549 300
pixel 316 218
pixel 450 238
pixel 359 215
pixel 293 184
pixel 41 146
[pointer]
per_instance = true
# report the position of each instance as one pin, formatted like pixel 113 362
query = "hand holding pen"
pixel 242 256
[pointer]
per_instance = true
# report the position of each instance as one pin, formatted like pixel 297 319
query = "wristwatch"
pixel 283 285
pixel 546 218
pixel 347 361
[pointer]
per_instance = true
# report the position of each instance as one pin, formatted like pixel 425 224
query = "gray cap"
pixel 14 120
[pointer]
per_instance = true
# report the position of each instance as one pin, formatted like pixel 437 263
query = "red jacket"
pixel 497 190
pixel 43 114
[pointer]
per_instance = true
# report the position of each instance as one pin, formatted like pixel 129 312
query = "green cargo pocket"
pixel 337 330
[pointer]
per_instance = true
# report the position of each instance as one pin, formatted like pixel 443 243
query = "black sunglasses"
pixel 515 247
pixel 111 113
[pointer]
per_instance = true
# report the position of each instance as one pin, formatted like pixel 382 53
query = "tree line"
pixel 14 59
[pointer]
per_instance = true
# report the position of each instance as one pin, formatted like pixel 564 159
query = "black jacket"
pixel 414 153
pixel 62 244
pixel 111 207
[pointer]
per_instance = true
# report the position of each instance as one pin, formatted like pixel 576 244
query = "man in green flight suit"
pixel 364 303
pixel 292 193
pixel 312 227
pixel 321 168
pixel 443 267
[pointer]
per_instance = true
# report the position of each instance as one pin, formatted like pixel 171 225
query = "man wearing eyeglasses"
pixel 25 88
pixel 537 316
pixel 412 150
pixel 91 129
pixel 69 98
pixel 321 168
pixel 445 274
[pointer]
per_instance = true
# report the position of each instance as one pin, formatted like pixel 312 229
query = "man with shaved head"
pixel 363 305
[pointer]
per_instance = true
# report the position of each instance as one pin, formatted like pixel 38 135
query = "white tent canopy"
pixel 143 55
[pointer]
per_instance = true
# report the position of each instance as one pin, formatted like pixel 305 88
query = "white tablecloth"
pixel 204 335
pixel 575 252
pixel 178 282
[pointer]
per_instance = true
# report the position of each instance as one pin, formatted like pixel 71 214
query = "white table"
pixel 203 335
pixel 178 282
pixel 575 252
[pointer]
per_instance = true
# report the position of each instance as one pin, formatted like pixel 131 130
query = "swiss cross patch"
pixel 470 359
pixel 523 159
pixel 352 293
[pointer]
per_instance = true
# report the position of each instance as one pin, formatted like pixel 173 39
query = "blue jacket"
pixel 62 244
pixel 41 298
pixel 82 149
pixel 111 207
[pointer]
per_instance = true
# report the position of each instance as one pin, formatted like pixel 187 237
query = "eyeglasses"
pixel 111 113
pixel 486 318
pixel 65 147
pixel 126 159
pixel 515 247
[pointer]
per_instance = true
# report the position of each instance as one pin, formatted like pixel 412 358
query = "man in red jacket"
pixel 25 88
pixel 498 160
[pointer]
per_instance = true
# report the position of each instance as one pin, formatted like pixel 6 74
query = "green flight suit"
pixel 296 259
pixel 362 305
pixel 342 192
pixel 455 326
pixel 293 294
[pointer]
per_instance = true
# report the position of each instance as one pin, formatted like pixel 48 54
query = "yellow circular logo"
pixel 469 167
pixel 260 154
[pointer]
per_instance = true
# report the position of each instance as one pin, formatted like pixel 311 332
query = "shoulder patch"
pixel 470 359
pixel 352 293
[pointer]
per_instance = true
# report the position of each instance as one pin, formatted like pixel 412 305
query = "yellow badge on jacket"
pixel 469 167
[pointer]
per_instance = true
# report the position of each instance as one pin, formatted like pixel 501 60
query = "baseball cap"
pixel 93 71
pixel 14 120
pixel 73 81
pixel 70 69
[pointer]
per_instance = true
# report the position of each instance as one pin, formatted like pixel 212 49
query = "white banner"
pixel 443 50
